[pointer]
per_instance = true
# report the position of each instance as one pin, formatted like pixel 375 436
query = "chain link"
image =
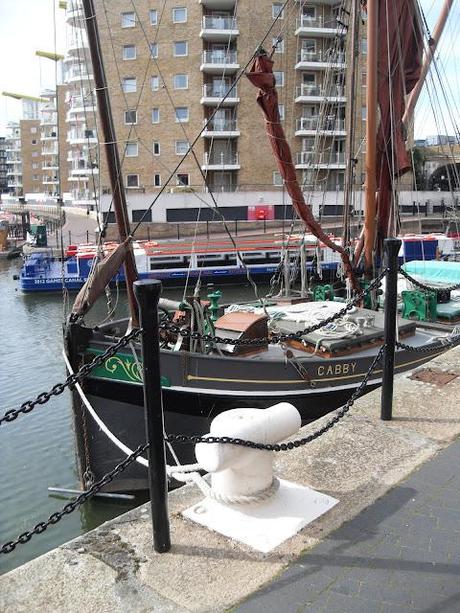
pixel 183 438
pixel 55 517
pixel 443 344
pixel 77 377
pixel 427 288
pixel 274 338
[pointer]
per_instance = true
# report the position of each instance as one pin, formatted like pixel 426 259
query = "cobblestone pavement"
pixel 401 554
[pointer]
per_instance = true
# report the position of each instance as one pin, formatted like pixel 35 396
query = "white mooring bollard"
pixel 242 471
pixel 244 504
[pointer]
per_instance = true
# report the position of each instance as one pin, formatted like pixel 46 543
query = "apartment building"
pixel 3 166
pixel 169 69
pixel 81 122
pixel 14 159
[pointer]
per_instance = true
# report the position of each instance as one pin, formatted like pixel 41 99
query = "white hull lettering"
pixel 330 370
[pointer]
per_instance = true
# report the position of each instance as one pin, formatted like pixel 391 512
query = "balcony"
pixel 51 150
pixel 50 180
pixel 50 165
pixel 48 136
pixel 221 161
pixel 77 75
pixel 326 28
pixel 83 168
pixel 218 29
pixel 81 137
pixel 74 15
pixel 217 62
pixel 221 128
pixel 320 60
pixel 77 44
pixel 315 93
pixel 213 95
pixel 329 160
pixel 327 126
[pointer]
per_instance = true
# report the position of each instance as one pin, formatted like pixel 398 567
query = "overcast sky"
pixel 27 26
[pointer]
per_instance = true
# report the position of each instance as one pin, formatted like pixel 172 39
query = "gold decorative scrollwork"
pixel 130 368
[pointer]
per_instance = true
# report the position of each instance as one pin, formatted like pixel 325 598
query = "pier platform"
pixel 391 544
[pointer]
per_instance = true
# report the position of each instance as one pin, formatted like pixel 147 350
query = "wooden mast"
pixel 432 44
pixel 371 135
pixel 111 150
pixel 351 110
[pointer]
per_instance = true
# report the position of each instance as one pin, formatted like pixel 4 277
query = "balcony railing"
pixel 81 135
pixel 211 22
pixel 327 56
pixel 210 90
pixel 327 124
pixel 222 125
pixel 325 158
pixel 317 22
pixel 220 57
pixel 221 159
pixel 335 91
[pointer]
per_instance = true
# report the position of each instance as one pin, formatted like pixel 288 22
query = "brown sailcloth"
pixel 400 50
pixel 96 283
pixel 261 75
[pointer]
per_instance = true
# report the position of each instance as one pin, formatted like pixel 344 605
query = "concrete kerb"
pixel 114 567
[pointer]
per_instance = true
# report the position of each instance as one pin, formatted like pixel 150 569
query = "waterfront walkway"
pixel 401 554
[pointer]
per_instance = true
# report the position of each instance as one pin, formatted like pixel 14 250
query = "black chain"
pixel 55 517
pixel 443 344
pixel 183 438
pixel 274 338
pixel 427 288
pixel 59 388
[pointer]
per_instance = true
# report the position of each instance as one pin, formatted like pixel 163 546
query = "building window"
pixel 182 147
pixel 157 180
pixel 35 177
pixel 154 49
pixel 281 110
pixel 34 166
pixel 180 48
pixel 363 113
pixel 182 179
pixel 34 141
pixel 180 81
pixel 156 148
pixel 156 115
pixel 130 117
pixel 277 179
pixel 153 17
pixel 364 46
pixel 279 45
pixel 33 130
pixel 279 78
pixel 131 150
pixel 277 9
pixel 181 113
pixel 155 83
pixel 132 180
pixel 129 52
pixel 128 20
pixel 129 85
pixel 179 15
pixel 34 154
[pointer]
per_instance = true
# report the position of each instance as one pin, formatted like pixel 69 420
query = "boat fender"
pixel 242 471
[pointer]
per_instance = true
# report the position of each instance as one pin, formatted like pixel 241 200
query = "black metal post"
pixel 70 237
pixel 392 246
pixel 147 294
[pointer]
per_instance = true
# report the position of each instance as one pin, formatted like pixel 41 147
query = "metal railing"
pixel 210 90
pixel 221 159
pixel 335 91
pixel 221 125
pixel 220 57
pixel 326 124
pixel 328 56
pixel 211 22
pixel 313 158
pixel 316 22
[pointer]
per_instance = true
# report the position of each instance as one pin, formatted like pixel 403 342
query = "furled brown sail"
pixel 96 283
pixel 261 75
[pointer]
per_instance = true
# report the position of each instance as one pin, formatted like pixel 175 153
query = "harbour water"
pixel 37 450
